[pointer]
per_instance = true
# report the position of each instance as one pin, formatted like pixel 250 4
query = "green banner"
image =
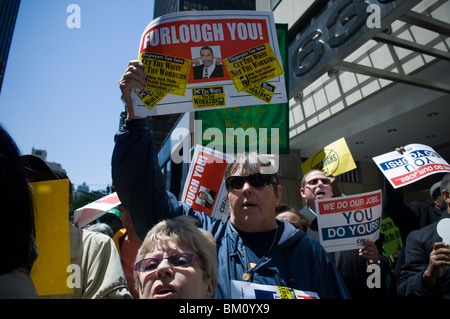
pixel 262 128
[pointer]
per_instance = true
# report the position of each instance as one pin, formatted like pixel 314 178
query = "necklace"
pixel 246 275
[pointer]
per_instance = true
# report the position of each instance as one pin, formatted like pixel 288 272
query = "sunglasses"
pixel 178 260
pixel 314 181
pixel 255 180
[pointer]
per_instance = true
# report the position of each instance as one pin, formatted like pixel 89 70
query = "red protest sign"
pixel 204 189
pixel 186 54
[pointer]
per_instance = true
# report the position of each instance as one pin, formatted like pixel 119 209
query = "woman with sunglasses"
pixel 253 247
pixel 177 260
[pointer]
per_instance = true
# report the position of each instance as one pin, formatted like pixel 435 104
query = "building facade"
pixel 389 87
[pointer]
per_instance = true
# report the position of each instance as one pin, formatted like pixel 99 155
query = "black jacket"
pixel 419 245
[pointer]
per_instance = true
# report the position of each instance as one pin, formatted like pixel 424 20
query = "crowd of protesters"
pixel 157 247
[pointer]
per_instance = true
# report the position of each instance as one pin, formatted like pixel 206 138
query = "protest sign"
pixel 334 159
pixel 49 272
pixel 270 123
pixel 416 162
pixel 205 189
pixel 347 222
pixel 199 60
pixel 253 67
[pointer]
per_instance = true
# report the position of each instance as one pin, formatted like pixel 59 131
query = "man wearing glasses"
pixel 314 185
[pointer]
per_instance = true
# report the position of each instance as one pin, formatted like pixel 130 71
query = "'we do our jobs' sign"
pixel 416 162
pixel 347 222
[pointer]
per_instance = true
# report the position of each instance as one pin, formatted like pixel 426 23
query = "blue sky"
pixel 60 91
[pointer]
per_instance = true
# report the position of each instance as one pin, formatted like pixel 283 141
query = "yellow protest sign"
pixel 286 293
pixel 49 272
pixel 208 96
pixel 166 73
pixel 263 91
pixel 150 97
pixel 252 67
pixel 333 159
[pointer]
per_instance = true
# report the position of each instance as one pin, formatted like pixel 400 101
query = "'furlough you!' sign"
pixel 347 222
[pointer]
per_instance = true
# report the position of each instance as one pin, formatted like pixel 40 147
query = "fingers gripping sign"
pixel 134 76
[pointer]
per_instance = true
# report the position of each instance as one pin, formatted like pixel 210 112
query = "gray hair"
pixel 183 229
pixel 445 183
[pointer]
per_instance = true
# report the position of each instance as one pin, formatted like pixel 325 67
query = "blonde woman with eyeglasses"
pixel 177 260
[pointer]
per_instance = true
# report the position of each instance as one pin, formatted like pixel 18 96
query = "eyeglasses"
pixel 255 180
pixel 178 260
pixel 314 181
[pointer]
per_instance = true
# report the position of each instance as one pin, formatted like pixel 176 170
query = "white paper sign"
pixel 443 229
pixel 417 162
pixel 348 222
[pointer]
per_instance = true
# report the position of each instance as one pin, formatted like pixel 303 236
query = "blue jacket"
pixel 296 261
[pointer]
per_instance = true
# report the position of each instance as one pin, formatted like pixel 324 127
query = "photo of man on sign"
pixel 211 66
pixel 205 197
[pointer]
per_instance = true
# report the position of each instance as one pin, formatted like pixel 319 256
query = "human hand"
pixel 400 149
pixel 369 252
pixel 438 263
pixel 134 76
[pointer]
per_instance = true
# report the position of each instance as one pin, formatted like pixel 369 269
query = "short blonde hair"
pixel 183 229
